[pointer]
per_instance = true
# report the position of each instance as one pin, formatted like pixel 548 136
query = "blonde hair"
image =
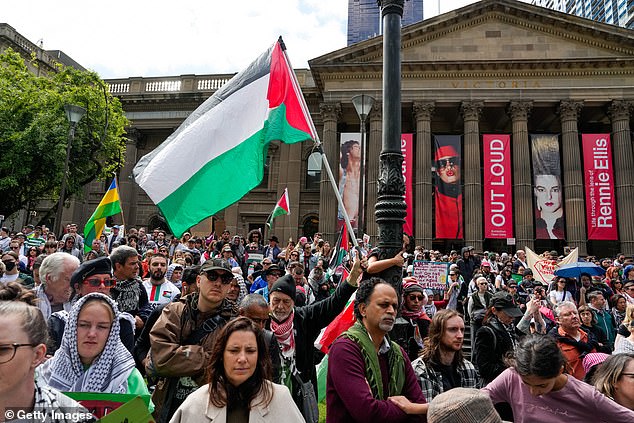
pixel 629 315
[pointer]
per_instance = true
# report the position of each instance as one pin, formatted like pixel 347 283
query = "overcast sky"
pixel 160 38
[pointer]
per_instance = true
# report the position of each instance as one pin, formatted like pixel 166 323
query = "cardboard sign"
pixel 431 274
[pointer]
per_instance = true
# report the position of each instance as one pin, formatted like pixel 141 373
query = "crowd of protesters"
pixel 148 313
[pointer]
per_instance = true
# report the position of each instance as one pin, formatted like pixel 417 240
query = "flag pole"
pixel 319 148
pixel 122 216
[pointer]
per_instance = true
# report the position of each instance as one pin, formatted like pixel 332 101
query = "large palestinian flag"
pixel 217 155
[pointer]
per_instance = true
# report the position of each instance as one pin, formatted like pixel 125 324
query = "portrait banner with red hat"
pixel 448 187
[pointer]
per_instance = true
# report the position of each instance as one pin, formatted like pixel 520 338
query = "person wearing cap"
pixel 499 335
pixel 181 340
pixel 448 194
pixel 272 250
pixel 297 328
pixel 366 368
pixel 227 254
pixel 462 405
pixel 271 274
pixel 411 328
pixel 538 388
pixel 571 339
pixel 90 277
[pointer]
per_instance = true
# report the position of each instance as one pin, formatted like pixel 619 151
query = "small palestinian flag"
pixel 281 208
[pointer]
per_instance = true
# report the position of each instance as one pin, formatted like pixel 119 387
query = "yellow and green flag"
pixel 109 206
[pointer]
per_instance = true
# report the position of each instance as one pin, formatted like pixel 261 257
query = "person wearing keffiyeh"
pixel 92 357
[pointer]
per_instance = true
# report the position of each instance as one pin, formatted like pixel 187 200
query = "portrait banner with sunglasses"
pixel 547 188
pixel 350 178
pixel 448 187
pixel 431 274
pixel 599 182
pixel 498 192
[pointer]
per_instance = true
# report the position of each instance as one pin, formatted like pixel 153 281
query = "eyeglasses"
pixel 7 351
pixel 15 248
pixel 95 282
pixel 445 163
pixel 294 255
pixel 415 297
pixel 266 263
pixel 225 277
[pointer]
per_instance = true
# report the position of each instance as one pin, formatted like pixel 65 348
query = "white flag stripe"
pixel 222 128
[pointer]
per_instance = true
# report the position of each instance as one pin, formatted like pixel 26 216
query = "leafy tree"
pixel 34 133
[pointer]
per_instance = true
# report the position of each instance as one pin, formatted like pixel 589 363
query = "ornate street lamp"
pixel 74 115
pixel 363 105
pixel 390 207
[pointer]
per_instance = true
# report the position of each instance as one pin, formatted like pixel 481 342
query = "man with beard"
pixel 159 290
pixel 296 329
pixel 448 194
pixel 442 366
pixel 366 369
pixel 129 292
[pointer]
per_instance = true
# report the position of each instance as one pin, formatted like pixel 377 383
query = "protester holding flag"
pixel 297 328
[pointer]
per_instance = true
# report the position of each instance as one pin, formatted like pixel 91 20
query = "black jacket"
pixel 492 343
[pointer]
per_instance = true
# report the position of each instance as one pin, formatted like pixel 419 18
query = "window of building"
pixel 313 171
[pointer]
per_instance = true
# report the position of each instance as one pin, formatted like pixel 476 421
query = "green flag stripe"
pixel 106 210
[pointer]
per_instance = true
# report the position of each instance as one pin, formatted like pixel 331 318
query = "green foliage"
pixel 34 132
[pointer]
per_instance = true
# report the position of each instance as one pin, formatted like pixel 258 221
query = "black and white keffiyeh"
pixel 109 372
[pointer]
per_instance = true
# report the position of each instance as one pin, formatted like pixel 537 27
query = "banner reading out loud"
pixel 498 192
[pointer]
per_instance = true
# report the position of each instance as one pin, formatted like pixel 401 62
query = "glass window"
pixel 313 173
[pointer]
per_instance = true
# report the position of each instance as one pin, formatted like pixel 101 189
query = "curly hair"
pixel 221 392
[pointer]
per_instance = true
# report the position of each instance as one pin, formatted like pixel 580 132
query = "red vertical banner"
pixel 498 192
pixel 599 181
pixel 407 149
pixel 448 187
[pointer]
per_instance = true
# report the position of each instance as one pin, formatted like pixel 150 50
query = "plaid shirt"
pixel 431 383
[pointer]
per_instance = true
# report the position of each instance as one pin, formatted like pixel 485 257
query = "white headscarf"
pixel 108 373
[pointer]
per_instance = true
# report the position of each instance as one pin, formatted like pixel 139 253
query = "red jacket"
pixel 449 221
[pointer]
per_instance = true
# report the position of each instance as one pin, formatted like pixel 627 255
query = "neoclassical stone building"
pixel 493 67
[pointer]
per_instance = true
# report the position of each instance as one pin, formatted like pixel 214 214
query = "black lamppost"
pixel 74 115
pixel 390 207
pixel 363 105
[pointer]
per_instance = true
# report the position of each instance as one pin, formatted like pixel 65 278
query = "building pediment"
pixel 491 35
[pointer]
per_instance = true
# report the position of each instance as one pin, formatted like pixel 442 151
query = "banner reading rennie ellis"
pixel 498 193
pixel 599 181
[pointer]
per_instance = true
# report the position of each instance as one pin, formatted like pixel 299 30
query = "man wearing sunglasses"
pixel 181 339
pixel 91 276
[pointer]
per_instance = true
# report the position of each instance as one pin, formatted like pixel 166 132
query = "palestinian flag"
pixel 109 206
pixel 281 208
pixel 217 155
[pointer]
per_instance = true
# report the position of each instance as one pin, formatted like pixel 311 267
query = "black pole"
pixel 390 207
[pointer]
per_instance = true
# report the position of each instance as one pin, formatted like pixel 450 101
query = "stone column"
pixel 623 158
pixel 372 168
pixel 128 189
pixel 473 207
pixel 423 111
pixel 573 176
pixel 327 201
pixel 522 185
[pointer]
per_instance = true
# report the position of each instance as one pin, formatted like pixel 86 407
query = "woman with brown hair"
pixel 615 379
pixel 239 387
